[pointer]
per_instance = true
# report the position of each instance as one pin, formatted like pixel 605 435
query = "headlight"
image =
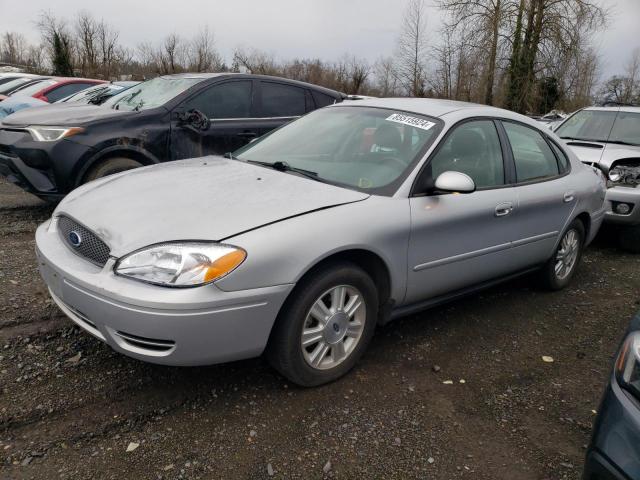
pixel 51 134
pixel 187 264
pixel 615 175
pixel 628 365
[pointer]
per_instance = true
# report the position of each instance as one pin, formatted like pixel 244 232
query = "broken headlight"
pixel 625 174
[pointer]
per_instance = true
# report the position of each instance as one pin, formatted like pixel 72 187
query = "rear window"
pixel 279 100
pixel 322 100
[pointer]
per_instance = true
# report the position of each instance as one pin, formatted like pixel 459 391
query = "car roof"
pixel 435 107
pixel 205 76
pixel 616 108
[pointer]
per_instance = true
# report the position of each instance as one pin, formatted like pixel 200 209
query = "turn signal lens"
pixel 224 265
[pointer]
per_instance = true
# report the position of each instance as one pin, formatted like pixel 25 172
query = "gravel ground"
pixel 71 408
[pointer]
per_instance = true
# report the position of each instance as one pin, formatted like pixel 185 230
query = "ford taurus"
pixel 306 239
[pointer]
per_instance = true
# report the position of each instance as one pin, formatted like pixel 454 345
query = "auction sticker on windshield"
pixel 412 121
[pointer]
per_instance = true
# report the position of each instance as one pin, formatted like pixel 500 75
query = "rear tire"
pixel 630 239
pixel 325 325
pixel 561 267
pixel 111 166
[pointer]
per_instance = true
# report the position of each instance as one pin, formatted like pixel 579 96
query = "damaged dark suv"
pixel 50 150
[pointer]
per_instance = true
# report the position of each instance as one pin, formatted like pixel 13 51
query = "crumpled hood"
pixel 64 114
pixel 209 198
pixel 605 156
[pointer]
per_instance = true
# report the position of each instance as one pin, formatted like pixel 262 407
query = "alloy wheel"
pixel 333 327
pixel 567 254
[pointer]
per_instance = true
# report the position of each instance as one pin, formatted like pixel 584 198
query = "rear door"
pixel 280 103
pixel 229 107
pixel 545 197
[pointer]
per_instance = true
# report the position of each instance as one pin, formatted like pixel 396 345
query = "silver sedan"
pixel 300 243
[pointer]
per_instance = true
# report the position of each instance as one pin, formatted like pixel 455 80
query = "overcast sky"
pixel 287 28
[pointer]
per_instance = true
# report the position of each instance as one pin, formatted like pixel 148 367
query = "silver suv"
pixel 609 138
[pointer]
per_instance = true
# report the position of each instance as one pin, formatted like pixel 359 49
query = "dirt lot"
pixel 70 407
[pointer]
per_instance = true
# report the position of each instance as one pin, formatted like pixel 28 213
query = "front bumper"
pixel 45 169
pixel 614 453
pixel 628 195
pixel 184 326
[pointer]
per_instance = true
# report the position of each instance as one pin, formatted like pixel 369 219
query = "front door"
pixel 458 240
pixel 215 121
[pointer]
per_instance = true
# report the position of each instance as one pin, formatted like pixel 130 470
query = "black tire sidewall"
pixel 549 277
pixel 110 167
pixel 284 351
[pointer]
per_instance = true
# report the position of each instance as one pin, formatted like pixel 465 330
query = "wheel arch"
pixel 372 263
pixel 129 151
pixel 585 218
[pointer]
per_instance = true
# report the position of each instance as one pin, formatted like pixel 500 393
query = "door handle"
pixel 248 134
pixel 504 209
pixel 569 196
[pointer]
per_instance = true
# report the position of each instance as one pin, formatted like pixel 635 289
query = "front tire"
pixel 561 267
pixel 630 238
pixel 111 166
pixel 325 326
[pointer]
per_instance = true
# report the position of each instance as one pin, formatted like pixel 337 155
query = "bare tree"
pixel 484 20
pixel 412 49
pixel 255 61
pixel 203 56
pixel 386 79
pixel 13 48
pixel 86 29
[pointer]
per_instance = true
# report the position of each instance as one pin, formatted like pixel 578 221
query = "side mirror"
pixel 44 99
pixel 451 181
pixel 194 119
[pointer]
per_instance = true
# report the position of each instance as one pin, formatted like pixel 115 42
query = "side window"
pixel 531 153
pixel 323 100
pixel 472 148
pixel 225 100
pixel 563 161
pixel 65 90
pixel 279 100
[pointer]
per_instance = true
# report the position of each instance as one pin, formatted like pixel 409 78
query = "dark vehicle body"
pixel 614 451
pixel 217 114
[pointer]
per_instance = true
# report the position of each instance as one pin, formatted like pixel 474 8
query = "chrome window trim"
pixel 253 118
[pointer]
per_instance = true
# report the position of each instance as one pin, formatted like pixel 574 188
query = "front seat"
pixel 468 155
pixel 387 139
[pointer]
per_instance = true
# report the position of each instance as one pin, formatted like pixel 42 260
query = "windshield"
pixel 603 126
pixel 13 84
pixel 85 95
pixel 151 93
pixel 34 87
pixel 368 149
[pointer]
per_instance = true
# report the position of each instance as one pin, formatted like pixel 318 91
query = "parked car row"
pixel 50 151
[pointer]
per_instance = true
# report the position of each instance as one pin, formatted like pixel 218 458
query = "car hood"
pixel 65 114
pixel 209 198
pixel 604 154
pixel 14 104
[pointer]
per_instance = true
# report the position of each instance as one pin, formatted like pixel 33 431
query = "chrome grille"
pixel 90 246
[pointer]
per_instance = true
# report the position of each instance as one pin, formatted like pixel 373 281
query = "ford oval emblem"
pixel 75 239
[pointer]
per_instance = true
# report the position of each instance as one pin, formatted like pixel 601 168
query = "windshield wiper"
pixel 583 139
pixel 285 167
pixel 622 142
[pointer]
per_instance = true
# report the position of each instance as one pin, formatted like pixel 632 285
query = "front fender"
pixel 282 252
